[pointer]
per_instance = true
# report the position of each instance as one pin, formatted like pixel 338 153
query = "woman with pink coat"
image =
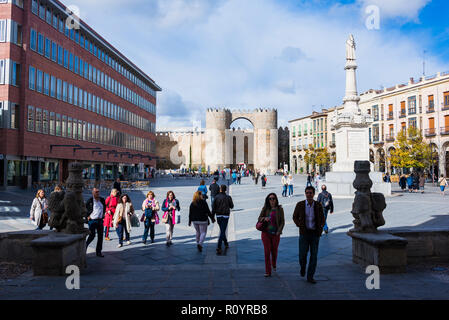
pixel 111 204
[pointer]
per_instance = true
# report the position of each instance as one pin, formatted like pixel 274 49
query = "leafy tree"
pixel 314 157
pixel 411 151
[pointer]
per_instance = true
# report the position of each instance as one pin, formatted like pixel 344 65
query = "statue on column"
pixel 350 48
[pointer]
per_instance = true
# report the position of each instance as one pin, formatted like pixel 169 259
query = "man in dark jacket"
pixel 214 190
pixel 309 218
pixel 118 186
pixel 222 209
pixel 325 198
pixel 96 208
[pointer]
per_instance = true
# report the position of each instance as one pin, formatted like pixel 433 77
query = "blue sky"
pixel 286 54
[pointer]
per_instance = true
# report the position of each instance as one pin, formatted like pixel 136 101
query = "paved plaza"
pixel 154 271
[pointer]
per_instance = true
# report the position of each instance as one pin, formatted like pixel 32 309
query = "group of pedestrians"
pixel 117 211
pixel 287 184
pixel 415 182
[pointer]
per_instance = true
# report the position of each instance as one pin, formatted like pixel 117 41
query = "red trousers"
pixel 270 245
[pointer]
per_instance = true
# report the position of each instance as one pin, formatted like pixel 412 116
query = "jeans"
pixel 284 190
pixel 95 226
pixel 120 229
pixel 149 226
pixel 326 212
pixel 309 241
pixel 290 190
pixel 223 224
pixel 169 226
pixel 270 246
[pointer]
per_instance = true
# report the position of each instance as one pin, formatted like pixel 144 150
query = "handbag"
pixel 135 221
pixel 261 225
pixel 44 216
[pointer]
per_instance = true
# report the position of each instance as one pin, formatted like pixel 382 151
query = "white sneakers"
pixel 129 242
pixel 119 246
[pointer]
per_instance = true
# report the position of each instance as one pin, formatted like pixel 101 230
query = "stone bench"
pixel 52 254
pixel 424 244
pixel 387 251
pixel 16 246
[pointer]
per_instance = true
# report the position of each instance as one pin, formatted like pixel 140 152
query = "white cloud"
pixel 405 9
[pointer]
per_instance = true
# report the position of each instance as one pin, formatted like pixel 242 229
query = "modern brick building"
pixel 66 94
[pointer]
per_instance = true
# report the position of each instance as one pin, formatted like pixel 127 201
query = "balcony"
pixel 376 140
pixel 294 135
pixel 390 115
pixel 293 148
pixel 389 137
pixel 305 133
pixel 431 132
pixel 332 144
pixel 430 109
pixel 298 148
pixel 444 130
pixel 445 107
pixel 403 114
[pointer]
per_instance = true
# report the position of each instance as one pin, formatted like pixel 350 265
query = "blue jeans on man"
pixel 326 212
pixel 290 189
pixel 223 224
pixel 284 190
pixel 309 241
pixel 95 226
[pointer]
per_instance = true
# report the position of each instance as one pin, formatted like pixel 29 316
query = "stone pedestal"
pixel 16 246
pixel 384 250
pixel 52 254
pixel 339 184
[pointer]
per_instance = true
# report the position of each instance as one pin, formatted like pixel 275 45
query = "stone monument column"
pixel 352 136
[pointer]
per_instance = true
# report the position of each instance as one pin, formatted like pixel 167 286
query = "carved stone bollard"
pixel 367 207
pixel 370 246
pixel 68 208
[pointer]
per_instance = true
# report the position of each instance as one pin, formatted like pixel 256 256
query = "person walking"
pixel 150 218
pixel 234 177
pixel 443 184
pixel 222 209
pixel 169 206
pixel 118 186
pixel 422 182
pixel 284 182
pixel 111 204
pixel 122 219
pixel 199 214
pixel 317 180
pixel 410 183
pixel 214 190
pixel 257 175
pixel 272 217
pixel 290 186
pixel 239 177
pixel 203 189
pixel 96 209
pixel 309 180
pixel 264 180
pixel 309 218
pixel 403 182
pixel 325 198
pixel 39 210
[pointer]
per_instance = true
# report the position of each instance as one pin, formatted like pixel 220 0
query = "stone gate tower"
pixel 219 138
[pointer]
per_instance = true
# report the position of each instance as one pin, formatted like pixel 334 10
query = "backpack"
pixel 327 201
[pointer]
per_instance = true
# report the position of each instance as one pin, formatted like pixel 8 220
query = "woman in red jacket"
pixel 111 204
